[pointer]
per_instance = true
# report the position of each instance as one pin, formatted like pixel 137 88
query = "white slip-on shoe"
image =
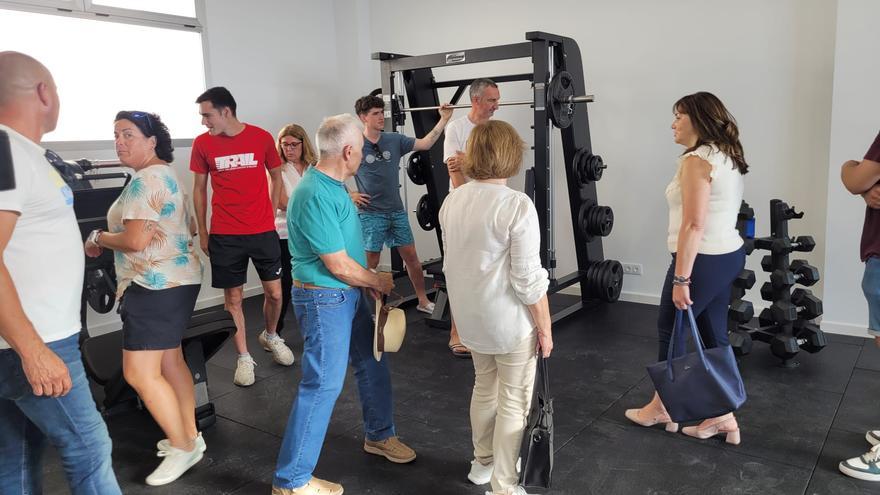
pixel 428 308
pixel 175 463
pixel 199 442
pixel 480 474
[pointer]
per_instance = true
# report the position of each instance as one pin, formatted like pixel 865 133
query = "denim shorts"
pixel 389 228
pixel 871 288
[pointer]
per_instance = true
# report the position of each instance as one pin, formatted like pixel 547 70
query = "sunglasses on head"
pixel 145 117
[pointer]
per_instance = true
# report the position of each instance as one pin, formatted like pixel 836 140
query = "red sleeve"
pixel 272 158
pixel 197 162
pixel 873 153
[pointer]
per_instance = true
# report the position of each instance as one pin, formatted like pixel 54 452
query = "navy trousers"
pixel 711 281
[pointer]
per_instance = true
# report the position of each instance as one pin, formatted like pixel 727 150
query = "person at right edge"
pixel 707 251
pixel 862 178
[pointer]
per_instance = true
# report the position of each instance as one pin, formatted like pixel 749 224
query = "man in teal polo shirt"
pixel 329 260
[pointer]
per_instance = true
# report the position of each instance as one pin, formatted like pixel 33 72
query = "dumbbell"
pixel 785 245
pixel 741 342
pixel 784 346
pixel 745 279
pixel 737 293
pixel 803 243
pixel 798 272
pixel 804 273
pixel 767 263
pixel 741 311
pixel 812 305
pixel 767 292
pixel 810 337
pixel 784 311
pixel 765 319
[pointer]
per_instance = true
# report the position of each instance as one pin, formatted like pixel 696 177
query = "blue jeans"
pixel 712 278
pixel 70 423
pixel 337 327
pixel 871 289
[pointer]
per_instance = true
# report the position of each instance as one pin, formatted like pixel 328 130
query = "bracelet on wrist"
pixel 681 280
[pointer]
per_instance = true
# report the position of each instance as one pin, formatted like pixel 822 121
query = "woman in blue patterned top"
pixel 159 277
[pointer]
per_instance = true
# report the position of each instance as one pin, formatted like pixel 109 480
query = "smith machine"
pixel 559 99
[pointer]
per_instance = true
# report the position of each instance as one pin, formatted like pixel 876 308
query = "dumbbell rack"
pixel 787 325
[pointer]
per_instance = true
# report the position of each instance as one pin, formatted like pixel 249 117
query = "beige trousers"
pixel 499 409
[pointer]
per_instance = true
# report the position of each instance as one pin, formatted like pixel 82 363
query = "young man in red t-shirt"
pixel 863 178
pixel 236 156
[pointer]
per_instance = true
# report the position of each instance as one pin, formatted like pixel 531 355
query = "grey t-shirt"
pixel 378 174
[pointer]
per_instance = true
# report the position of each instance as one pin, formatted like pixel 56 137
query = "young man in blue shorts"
pixel 383 217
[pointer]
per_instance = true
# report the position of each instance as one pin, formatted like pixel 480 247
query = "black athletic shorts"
pixel 154 320
pixel 230 254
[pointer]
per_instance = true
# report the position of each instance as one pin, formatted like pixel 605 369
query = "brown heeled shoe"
pixel 723 425
pixel 636 415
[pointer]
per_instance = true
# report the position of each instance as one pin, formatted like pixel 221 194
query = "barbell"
pixel 560 99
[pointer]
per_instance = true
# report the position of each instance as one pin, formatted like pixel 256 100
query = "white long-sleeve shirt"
pixel 492 263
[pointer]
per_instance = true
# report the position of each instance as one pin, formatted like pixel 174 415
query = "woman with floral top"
pixel 159 277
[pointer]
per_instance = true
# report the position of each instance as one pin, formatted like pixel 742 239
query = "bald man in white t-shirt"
pixel 44 395
pixel 484 96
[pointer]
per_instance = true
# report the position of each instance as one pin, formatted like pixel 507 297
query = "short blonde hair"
pixel 494 151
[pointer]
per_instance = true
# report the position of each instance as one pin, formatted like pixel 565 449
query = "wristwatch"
pixel 93 236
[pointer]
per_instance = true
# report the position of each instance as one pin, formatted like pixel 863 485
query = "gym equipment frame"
pixel 558 97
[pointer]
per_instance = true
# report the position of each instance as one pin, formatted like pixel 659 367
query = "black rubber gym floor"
pixel 796 426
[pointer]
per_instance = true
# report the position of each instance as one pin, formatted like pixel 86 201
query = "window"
pixel 171 7
pixel 102 67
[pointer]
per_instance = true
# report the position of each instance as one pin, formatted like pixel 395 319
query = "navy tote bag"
pixel 701 384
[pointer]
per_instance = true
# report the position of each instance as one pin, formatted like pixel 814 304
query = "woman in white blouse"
pixel 707 252
pixel 296 150
pixel 498 293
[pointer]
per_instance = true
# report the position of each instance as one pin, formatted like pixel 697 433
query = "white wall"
pixel 854 124
pixel 770 62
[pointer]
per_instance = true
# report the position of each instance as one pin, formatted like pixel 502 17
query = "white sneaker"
pixel 873 437
pixel 480 474
pixel 864 467
pixel 428 308
pixel 280 352
pixel 199 442
pixel 176 463
pixel 514 490
pixel 244 372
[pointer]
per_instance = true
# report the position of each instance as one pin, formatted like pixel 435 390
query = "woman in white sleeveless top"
pixel 707 252
pixel 298 154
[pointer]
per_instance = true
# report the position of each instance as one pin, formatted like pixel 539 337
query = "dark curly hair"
pixel 714 125
pixel 151 125
pixel 366 103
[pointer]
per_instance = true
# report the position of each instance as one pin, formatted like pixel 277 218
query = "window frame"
pixel 84 9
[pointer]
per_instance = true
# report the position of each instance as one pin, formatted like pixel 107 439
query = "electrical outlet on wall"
pixel 632 268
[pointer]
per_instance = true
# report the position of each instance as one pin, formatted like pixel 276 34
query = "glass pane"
pixel 186 8
pixel 102 67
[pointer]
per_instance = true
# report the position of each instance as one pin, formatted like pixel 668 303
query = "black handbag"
pixel 537 446
pixel 699 385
